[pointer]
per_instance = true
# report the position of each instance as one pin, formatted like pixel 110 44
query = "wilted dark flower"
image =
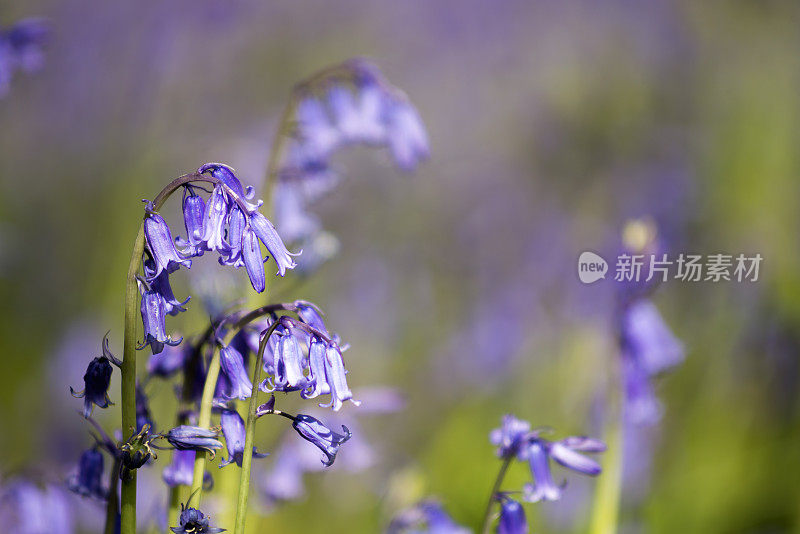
pixel 23 503
pixel 324 438
pixel 512 517
pixel 161 246
pixel 193 521
pixel 96 382
pixel 234 432
pixel 88 481
pixel 136 451
pixel 153 309
pixel 186 437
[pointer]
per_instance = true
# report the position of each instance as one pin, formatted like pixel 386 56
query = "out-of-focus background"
pixel 551 124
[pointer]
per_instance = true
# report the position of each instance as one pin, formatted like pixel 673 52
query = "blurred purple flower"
pixel 88 481
pixel 426 517
pixel 512 517
pixel 21 48
pixel 181 470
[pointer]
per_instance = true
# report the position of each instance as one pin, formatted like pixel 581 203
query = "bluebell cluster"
pixel 353 104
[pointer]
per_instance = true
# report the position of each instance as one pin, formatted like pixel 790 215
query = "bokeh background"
pixel 551 124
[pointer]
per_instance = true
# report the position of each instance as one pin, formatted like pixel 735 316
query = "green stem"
pixel 250 426
pixel 112 506
pixel 605 512
pixel 128 370
pixel 487 515
pixel 204 421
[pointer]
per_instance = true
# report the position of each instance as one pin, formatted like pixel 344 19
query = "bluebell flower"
pixel 214 221
pixel 315 432
pixel 359 114
pixel 161 246
pixel 169 361
pixel 510 436
pixel 239 385
pixel 194 208
pixel 187 437
pixel 96 382
pixel 225 174
pixel 335 376
pixel 295 221
pixel 135 452
pixel 180 471
pixel 193 521
pixel 512 517
pixel 236 225
pixel 408 140
pixel 234 432
pixel 266 232
pixel 318 383
pixel 648 339
pixel 253 262
pixel 426 517
pixel 88 481
pixel 311 315
pixel 160 284
pixel 287 366
pixel 21 48
pixel 154 310
pixel 648 348
pixel 567 453
pixel 315 128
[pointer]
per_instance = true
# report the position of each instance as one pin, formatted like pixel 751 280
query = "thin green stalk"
pixel 128 371
pixel 204 421
pixel 605 513
pixel 498 482
pixel 250 427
